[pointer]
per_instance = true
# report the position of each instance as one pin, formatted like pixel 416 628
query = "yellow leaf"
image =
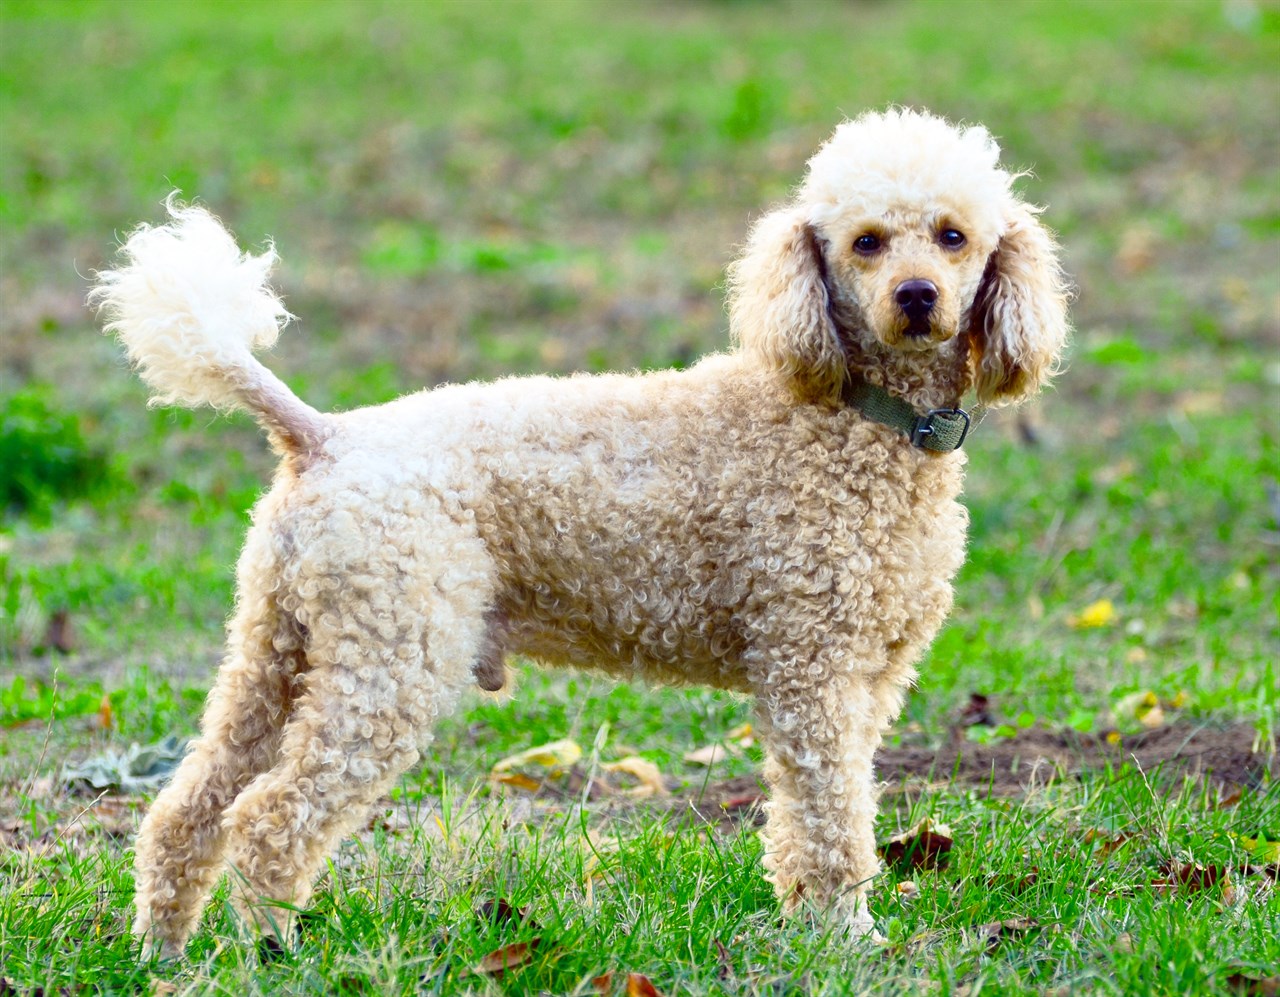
pixel 708 756
pixel 1260 849
pixel 516 779
pixel 650 777
pixel 1137 705
pixel 556 755
pixel 1096 614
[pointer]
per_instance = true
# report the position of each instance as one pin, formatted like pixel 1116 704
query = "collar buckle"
pixel 924 428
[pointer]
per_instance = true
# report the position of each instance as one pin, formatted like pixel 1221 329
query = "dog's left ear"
pixel 1018 321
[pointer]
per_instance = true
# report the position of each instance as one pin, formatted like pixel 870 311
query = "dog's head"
pixel 904 243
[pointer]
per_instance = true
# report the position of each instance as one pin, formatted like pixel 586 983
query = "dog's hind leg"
pixel 179 849
pixel 389 652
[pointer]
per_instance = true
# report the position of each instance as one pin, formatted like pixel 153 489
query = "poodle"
pixel 780 519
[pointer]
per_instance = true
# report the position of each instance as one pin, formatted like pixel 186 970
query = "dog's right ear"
pixel 780 306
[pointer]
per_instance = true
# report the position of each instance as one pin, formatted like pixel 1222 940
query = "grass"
pixel 1029 901
pixel 467 192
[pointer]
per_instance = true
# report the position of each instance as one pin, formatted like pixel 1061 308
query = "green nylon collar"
pixel 941 430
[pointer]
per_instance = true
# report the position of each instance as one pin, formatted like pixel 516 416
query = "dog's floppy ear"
pixel 1018 322
pixel 780 308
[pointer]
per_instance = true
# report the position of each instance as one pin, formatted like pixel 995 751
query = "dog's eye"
pixel 951 238
pixel 866 244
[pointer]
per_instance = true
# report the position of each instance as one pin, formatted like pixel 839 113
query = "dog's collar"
pixel 941 430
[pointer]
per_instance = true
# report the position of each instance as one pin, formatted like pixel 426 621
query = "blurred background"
pixel 467 190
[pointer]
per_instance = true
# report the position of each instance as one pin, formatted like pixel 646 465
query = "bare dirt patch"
pixel 1232 756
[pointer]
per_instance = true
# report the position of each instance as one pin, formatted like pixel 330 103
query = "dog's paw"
pixel 159 950
pixel 852 918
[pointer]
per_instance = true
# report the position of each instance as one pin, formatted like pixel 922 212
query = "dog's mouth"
pixel 919 334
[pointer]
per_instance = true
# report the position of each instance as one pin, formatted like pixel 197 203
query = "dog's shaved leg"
pixel 180 844
pixel 819 840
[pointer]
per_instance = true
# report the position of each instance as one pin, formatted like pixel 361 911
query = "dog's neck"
pixel 927 379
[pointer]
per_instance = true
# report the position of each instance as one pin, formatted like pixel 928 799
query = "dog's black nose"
pixel 916 298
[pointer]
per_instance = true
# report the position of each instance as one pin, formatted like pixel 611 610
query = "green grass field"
pixel 465 190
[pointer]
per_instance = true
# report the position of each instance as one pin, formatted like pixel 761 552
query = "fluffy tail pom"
pixel 190 309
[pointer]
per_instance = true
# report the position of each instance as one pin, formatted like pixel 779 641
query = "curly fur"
pixel 735 524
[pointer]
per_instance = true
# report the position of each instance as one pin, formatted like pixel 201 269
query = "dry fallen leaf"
pixel 998 931
pixel 648 774
pixel 1106 843
pixel 710 755
pixel 1137 705
pixel 59 634
pixel 723 958
pixel 501 911
pixel 1200 402
pixel 925 846
pixel 528 769
pixel 908 890
pixel 517 779
pixel 508 957
pixel 1253 986
pixel 639 986
pixel 1193 878
pixel 1013 883
pixel 556 755
pixel 977 712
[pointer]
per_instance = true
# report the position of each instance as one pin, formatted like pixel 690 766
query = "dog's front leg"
pixel 821 731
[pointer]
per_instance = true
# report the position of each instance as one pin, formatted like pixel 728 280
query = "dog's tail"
pixel 190 308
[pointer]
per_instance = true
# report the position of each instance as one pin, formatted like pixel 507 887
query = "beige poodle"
pixel 780 519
